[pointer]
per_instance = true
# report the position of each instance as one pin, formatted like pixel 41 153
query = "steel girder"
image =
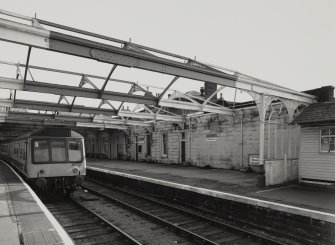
pixel 46 117
pixel 16 84
pixel 150 116
pixel 59 42
pixel 46 106
pixel 70 118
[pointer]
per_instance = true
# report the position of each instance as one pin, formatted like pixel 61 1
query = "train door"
pixel 182 148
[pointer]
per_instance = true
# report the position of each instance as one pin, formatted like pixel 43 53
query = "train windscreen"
pixel 57 151
pixel 41 151
pixel 75 152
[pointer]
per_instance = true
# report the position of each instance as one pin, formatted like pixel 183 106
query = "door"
pixel 182 148
pixel 136 148
pixel 148 145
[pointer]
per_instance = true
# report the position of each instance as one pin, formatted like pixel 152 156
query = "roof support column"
pixel 262 101
pixel 291 106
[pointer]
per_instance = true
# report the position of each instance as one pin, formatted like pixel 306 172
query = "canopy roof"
pixel 146 108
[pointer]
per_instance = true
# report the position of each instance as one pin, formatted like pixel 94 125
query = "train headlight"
pixel 78 180
pixel 41 183
pixel 75 170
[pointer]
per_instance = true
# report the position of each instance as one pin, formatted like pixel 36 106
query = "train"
pixel 52 159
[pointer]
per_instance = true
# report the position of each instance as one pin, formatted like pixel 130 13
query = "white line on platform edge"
pixel 60 230
pixel 273 189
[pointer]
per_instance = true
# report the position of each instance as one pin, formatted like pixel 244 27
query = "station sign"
pixel 141 139
pixel 254 159
pixel 211 137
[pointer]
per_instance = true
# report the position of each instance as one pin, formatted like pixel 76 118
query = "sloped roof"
pixel 318 113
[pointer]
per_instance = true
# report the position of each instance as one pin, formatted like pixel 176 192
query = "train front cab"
pixel 56 163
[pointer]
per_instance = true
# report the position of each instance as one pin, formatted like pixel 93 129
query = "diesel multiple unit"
pixel 51 158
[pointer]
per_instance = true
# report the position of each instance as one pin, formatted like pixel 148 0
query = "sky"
pixel 288 42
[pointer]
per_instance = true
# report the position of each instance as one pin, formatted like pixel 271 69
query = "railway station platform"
pixel 24 220
pixel 317 202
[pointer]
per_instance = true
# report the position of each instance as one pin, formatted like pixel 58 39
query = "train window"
pixel 58 151
pixel 75 153
pixel 41 151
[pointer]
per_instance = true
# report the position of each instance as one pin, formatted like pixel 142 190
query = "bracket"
pixel 84 80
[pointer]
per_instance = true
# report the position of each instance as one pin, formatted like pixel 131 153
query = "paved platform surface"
pixel 299 198
pixel 23 218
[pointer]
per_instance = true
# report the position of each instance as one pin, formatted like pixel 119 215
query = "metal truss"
pixel 193 103
pixel 149 114
pixel 131 55
pixel 67 119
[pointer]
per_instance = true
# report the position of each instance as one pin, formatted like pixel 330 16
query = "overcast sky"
pixel 287 42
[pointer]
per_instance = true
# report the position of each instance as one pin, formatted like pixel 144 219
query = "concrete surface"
pixel 316 198
pixel 9 233
pixel 215 179
pixel 28 221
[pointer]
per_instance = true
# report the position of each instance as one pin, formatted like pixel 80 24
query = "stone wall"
pixel 219 141
pixel 105 144
pixel 281 171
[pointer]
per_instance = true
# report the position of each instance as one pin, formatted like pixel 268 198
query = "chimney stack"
pixel 210 88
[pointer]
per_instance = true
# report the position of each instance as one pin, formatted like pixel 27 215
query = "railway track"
pixel 195 227
pixel 87 227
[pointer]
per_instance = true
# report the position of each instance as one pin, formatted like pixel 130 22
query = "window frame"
pixel 66 140
pixel 33 150
pixel 326 136
pixel 81 146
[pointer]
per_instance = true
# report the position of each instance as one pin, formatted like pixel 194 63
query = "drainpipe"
pixel 269 134
pixel 190 139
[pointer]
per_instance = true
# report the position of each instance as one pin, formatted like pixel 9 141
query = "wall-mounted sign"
pixel 141 139
pixel 254 159
pixel 211 137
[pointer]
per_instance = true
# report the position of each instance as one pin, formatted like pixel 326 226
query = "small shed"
pixel 317 142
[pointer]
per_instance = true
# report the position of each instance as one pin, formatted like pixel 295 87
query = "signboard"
pixel 254 159
pixel 141 139
pixel 211 137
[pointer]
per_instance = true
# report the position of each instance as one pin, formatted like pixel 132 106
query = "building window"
pixel 164 144
pixel 327 140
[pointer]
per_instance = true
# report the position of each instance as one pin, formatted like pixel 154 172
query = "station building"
pixel 317 153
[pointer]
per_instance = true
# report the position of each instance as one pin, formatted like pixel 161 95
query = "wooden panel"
pixel 313 163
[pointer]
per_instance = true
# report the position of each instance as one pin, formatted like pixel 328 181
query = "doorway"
pixel 182 148
pixel 149 145
pixel 136 148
